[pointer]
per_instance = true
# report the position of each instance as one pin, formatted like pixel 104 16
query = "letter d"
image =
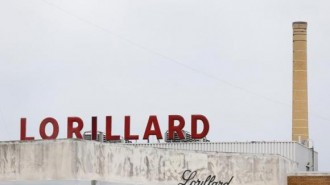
pixel 206 127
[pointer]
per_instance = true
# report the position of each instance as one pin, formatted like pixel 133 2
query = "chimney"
pixel 300 97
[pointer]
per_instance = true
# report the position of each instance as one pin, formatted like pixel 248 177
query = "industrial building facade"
pixel 185 162
pixel 71 160
pixel 305 157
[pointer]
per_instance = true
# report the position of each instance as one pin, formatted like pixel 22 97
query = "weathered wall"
pixel 86 160
pixel 289 149
pixel 57 182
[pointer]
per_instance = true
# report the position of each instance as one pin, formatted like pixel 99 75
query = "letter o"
pixel 42 128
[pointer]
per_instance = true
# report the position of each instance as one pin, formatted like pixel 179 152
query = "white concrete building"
pixel 305 157
pixel 90 162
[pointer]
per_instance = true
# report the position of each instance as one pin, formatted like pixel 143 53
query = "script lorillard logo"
pixel 75 126
pixel 189 179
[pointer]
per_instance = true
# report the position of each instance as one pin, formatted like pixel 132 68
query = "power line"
pixel 171 59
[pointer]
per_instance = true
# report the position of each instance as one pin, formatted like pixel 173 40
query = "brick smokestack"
pixel 300 96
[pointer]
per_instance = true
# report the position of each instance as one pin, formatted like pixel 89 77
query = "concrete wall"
pixel 87 160
pixel 292 150
pixel 58 182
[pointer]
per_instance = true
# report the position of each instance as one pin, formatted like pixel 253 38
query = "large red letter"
pixel 108 129
pixel 152 121
pixel 94 128
pixel 127 134
pixel 172 128
pixel 75 130
pixel 42 128
pixel 206 126
pixel 23 131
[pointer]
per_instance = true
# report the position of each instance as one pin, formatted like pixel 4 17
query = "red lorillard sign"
pixel 75 126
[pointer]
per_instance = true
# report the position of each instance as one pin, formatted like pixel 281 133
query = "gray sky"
pixel 229 60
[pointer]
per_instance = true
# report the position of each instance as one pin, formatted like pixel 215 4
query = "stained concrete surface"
pixel 122 164
pixel 59 182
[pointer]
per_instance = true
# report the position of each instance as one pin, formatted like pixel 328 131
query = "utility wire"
pixel 167 58
pixel 170 59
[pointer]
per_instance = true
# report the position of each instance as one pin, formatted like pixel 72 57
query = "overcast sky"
pixel 230 60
